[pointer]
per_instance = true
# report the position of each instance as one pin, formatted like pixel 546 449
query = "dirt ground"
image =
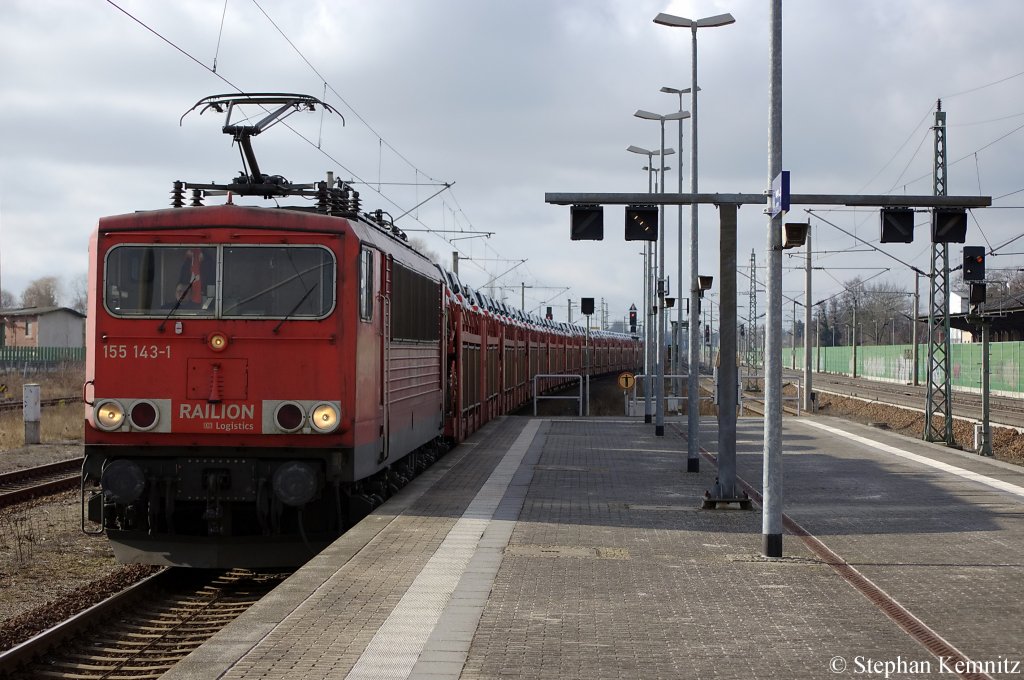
pixel 1007 443
pixel 43 553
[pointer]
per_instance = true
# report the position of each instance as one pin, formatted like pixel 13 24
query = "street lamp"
pixel 693 386
pixel 659 386
pixel 648 344
pixel 677 340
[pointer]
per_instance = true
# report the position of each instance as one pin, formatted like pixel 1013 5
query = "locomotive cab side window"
pixel 366 284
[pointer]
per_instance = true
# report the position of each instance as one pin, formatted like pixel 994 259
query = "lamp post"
pixel 648 341
pixel 659 386
pixel 693 385
pixel 677 339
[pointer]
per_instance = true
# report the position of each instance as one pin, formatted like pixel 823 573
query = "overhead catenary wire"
pixel 328 155
pixel 220 33
pixel 380 141
pixel 867 243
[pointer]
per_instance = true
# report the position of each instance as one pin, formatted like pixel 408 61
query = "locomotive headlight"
pixel 109 415
pixel 218 342
pixel 324 418
pixel 122 482
pixel 295 483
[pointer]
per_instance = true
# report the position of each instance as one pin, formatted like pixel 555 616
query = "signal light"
pixel 289 416
pixel 641 223
pixel 586 223
pixel 632 318
pixel 974 263
pixel 977 294
pixel 949 225
pixel 897 225
pixel 144 415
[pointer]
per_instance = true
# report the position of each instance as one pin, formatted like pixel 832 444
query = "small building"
pixel 42 327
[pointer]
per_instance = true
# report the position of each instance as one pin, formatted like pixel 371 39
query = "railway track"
pixel 144 630
pixel 1004 410
pixel 23 485
pixel 16 404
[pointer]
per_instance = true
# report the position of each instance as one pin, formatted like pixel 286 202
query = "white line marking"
pixel 945 467
pixel 393 651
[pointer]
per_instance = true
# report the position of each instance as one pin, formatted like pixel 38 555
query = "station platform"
pixel 576 548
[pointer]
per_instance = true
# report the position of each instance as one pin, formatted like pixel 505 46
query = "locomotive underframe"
pixel 211 508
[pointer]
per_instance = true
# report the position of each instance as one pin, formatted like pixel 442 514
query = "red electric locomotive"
pixel 258 379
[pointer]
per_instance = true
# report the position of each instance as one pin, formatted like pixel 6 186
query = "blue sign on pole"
pixel 780 193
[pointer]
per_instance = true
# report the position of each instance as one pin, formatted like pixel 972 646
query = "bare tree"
pixel 79 287
pixel 884 314
pixel 42 292
pixel 1004 288
pixel 8 300
pixel 421 246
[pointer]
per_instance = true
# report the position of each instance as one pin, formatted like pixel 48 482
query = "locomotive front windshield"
pixel 251 281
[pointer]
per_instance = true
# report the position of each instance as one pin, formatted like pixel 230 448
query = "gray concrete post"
pixel 771 517
pixel 986 423
pixel 808 374
pixel 31 410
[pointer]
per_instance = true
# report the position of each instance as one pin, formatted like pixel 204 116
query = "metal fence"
pixel 39 357
pixel 895 363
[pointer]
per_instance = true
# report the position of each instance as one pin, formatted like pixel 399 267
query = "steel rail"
pixel 17 404
pixel 26 484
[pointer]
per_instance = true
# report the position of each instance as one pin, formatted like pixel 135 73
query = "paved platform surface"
pixel 570 548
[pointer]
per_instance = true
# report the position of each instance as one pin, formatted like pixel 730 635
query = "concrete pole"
pixel 808 374
pixel 677 352
pixel 693 370
pixel 771 516
pixel 913 333
pixel 853 336
pixel 792 341
pixel 986 425
pixel 455 262
pixel 648 337
pixel 31 409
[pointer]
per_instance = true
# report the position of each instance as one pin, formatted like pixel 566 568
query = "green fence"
pixel 896 363
pixel 20 356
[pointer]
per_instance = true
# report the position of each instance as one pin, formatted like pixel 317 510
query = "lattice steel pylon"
pixel 937 401
pixel 752 346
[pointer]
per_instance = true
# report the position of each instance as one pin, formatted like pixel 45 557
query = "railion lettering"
pixel 216 411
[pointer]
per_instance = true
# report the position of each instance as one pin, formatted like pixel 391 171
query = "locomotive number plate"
pixel 122 351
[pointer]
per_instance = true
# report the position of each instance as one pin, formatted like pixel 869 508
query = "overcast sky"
pixel 509 100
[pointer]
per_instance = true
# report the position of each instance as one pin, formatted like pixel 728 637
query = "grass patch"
pixel 62 423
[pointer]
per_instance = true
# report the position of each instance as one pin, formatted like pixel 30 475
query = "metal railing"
pixel 567 376
pixel 673 402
